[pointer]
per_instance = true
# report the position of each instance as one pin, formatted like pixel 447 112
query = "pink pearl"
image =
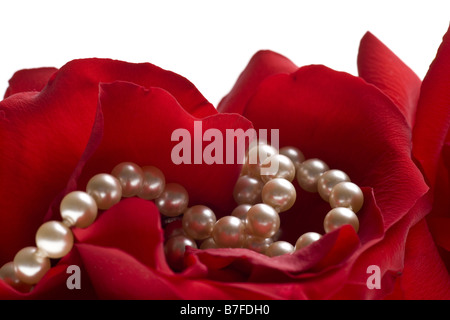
pixel 130 176
pixel 173 201
pixel 198 222
pixel 153 183
pixel 247 190
pixel 228 232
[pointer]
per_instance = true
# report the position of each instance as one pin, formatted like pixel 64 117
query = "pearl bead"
pixel 306 239
pixel 105 189
pixel 228 232
pixel 348 195
pixel 130 176
pixel 277 166
pixel 280 194
pixel 257 244
pixel 30 265
pixel 198 222
pixel 256 155
pixel 247 190
pixel 54 239
pixel 241 211
pixel 279 248
pixel 208 243
pixel 79 209
pixel 338 217
pixel 262 220
pixel 153 183
pixel 309 172
pixel 8 275
pixel 328 180
pixel 173 201
pixel 294 154
pixel 174 250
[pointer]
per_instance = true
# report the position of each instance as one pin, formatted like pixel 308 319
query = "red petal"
pixel 146 119
pixel 433 116
pixel 378 65
pixel 29 80
pixel 262 65
pixel 136 220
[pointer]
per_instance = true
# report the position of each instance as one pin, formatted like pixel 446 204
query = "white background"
pixel 210 42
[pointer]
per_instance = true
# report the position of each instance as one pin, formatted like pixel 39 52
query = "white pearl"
pixel 262 220
pixel 256 155
pixel 241 211
pixel 105 189
pixel 79 209
pixel 8 275
pixel 153 183
pixel 130 176
pixel 173 201
pixel 277 166
pixel 309 172
pixel 279 248
pixel 174 250
pixel 280 194
pixel 257 244
pixel 306 239
pixel 328 180
pixel 30 265
pixel 228 232
pixel 247 190
pixel 294 154
pixel 198 222
pixel 54 239
pixel 338 217
pixel 348 195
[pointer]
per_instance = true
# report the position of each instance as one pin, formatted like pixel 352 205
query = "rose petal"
pixel 378 65
pixel 147 118
pixel 136 220
pixel 433 116
pixel 43 137
pixel 29 80
pixel 262 65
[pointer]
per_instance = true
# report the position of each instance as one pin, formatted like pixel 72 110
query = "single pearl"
pixel 228 232
pixel 174 250
pixel 279 248
pixel 277 166
pixel 198 222
pixel 153 183
pixel 54 239
pixel 247 190
pixel 79 209
pixel 262 220
pixel 8 275
pixel 30 265
pixel 208 243
pixel 309 172
pixel 257 244
pixel 306 239
pixel 130 176
pixel 105 189
pixel 328 180
pixel 338 217
pixel 173 201
pixel 348 195
pixel 294 154
pixel 280 194
pixel 257 155
pixel 241 211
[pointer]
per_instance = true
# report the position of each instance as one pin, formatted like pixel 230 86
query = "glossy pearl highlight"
pixel 130 176
pixel 105 189
pixel 309 172
pixel 174 249
pixel 54 239
pixel 262 220
pixel 30 265
pixel 228 232
pixel 78 209
pixel 279 194
pixel 279 248
pixel 294 154
pixel 247 190
pixel 173 201
pixel 277 166
pixel 198 222
pixel 348 195
pixel 328 180
pixel 153 183
pixel 306 239
pixel 338 217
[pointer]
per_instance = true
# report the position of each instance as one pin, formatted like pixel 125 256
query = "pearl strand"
pixel 253 224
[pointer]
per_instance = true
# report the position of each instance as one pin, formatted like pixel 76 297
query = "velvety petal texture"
pixel 29 80
pixel 378 65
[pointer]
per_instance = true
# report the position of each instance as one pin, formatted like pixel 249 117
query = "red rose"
pixel 60 127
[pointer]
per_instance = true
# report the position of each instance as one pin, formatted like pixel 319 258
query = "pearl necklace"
pixel 254 224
